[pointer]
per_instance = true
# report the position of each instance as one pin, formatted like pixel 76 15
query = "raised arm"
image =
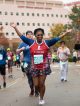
pixel 16 29
pixel 67 31
pixel 19 50
pixel 24 39
pixel 54 40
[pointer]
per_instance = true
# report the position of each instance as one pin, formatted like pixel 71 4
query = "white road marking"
pixel 12 83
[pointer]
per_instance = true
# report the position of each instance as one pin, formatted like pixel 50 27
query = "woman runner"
pixel 39 51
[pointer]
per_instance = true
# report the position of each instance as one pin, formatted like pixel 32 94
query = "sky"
pixel 68 1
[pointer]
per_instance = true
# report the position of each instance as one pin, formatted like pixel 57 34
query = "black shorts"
pixel 74 59
pixel 17 62
pixel 23 70
pixel 2 70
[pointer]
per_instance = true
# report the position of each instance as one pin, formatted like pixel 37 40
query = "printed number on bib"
pixel 1 57
pixel 21 63
pixel 38 59
pixel 62 56
pixel 25 65
pixel 9 58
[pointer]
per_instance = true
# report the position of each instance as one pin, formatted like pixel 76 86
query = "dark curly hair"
pixel 38 29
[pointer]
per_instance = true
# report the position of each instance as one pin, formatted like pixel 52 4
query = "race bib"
pixel 1 57
pixel 17 57
pixel 21 63
pixel 38 59
pixel 25 65
pixel 62 56
pixel 9 58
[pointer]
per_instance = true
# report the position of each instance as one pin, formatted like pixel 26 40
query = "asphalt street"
pixel 57 93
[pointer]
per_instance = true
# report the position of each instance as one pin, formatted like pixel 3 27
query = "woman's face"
pixel 39 36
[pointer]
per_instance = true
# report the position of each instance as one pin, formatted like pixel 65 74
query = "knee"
pixel 42 84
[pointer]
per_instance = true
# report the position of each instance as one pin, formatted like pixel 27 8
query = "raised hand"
pixel 68 30
pixel 16 29
pixel 13 25
pixel 23 48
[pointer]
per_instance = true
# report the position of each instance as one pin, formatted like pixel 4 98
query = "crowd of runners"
pixel 34 58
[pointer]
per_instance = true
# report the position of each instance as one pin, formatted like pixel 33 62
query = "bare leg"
pixel 42 86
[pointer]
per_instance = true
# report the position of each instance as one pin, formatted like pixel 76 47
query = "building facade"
pixel 30 14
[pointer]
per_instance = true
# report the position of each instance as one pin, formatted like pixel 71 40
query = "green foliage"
pixel 75 17
pixel 56 29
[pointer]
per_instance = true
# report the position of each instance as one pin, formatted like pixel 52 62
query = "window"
pixel 61 15
pixel 12 33
pixel 52 15
pixel 32 14
pixel 6 23
pixel 42 15
pixel 65 16
pixel 6 13
pixel 37 14
pixel 28 24
pixel 47 15
pixel 17 13
pixel 22 14
pixel 38 24
pixel 23 24
pixel 27 14
pixel 0 23
pixel 56 15
pixel 52 24
pixel 17 23
pixel 47 24
pixel 33 24
pixel 7 33
pixel 0 13
pixel 43 24
pixel 11 13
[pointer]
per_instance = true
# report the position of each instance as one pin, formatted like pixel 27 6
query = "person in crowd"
pixel 14 59
pixel 18 60
pixel 26 62
pixel 63 54
pixel 3 57
pixel 50 56
pixel 75 56
pixel 40 67
pixel 10 62
pixel 78 56
pixel 54 57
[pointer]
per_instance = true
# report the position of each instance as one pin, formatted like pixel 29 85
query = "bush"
pixel 70 59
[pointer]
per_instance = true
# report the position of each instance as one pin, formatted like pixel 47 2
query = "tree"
pixel 3 39
pixel 75 24
pixel 57 29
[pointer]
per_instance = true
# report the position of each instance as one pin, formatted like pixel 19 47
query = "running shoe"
pixel 65 80
pixel 4 84
pixel 41 102
pixel 62 80
pixel 36 94
pixel 0 86
pixel 31 93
